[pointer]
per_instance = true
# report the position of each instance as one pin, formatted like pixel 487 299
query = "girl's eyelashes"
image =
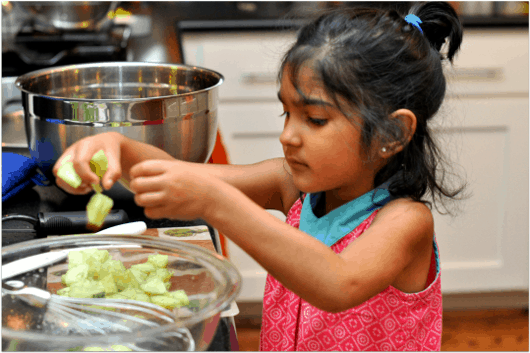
pixel 318 122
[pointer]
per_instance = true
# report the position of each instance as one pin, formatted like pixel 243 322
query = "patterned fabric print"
pixel 391 321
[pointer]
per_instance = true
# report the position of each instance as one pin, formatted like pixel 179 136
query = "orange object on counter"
pixel 219 156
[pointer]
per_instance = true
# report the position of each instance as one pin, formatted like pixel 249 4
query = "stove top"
pixel 32 49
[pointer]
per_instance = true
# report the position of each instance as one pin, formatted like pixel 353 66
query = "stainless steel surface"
pixel 210 281
pixel 70 15
pixel 13 131
pixel 173 107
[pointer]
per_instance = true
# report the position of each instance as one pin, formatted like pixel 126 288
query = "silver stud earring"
pixel 383 149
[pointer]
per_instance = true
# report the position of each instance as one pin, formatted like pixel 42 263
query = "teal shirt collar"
pixel 333 226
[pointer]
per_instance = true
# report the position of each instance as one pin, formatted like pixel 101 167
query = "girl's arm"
pixel 329 281
pixel 263 182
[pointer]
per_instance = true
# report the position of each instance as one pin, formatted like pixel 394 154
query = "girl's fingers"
pixel 155 212
pixel 84 154
pixel 144 184
pixel 148 168
pixel 152 199
pixel 113 172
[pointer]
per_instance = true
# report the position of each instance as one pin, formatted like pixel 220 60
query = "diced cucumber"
pixel 154 286
pixel 146 267
pixel 98 208
pixel 99 163
pixel 75 258
pixel 163 274
pixel 158 260
pixel 87 289
pixel 181 296
pixel 64 291
pixel 75 274
pixel 126 280
pixel 113 267
pixel 165 301
pixel 139 275
pixel 69 175
pixel 109 285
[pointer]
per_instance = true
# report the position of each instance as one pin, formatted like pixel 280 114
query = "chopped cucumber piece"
pixel 64 292
pixel 120 348
pixel 97 188
pixel 181 296
pixel 163 274
pixel 75 258
pixel 69 175
pixel 113 267
pixel 158 260
pixel 139 275
pixel 99 163
pixel 154 286
pixel 146 267
pixel 126 280
pixel 165 301
pixel 75 274
pixel 98 208
pixel 109 285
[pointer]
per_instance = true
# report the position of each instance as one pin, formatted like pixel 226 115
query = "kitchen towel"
pixel 19 172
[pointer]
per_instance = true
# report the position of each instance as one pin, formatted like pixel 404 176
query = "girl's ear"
pixel 408 125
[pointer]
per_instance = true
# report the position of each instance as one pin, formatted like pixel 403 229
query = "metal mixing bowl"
pixel 173 107
pixel 210 281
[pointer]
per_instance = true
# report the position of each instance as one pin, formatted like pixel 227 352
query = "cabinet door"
pixel 248 60
pixel 251 132
pixel 485 247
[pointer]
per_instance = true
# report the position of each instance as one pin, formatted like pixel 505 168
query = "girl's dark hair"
pixel 378 63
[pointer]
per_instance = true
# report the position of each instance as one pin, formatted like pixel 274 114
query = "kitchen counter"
pixel 31 201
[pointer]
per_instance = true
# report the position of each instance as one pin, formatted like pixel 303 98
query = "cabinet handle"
pixel 258 78
pixel 476 74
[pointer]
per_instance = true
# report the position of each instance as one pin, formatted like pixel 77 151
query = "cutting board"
pixel 197 235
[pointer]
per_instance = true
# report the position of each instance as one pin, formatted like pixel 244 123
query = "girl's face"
pixel 321 146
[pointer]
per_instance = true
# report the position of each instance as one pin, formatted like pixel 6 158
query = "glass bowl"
pixel 210 281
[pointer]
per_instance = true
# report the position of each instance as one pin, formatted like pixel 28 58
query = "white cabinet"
pixel 482 126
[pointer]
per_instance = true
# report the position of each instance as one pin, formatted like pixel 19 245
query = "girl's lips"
pixel 295 163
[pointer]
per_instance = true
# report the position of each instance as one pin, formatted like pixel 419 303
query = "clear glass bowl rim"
pixel 225 267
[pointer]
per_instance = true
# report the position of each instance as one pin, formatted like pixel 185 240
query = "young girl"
pixel 356 266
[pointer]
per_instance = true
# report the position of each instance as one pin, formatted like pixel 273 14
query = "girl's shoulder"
pixel 405 207
pixel 414 216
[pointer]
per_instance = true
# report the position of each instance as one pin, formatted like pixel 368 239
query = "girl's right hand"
pixel 80 154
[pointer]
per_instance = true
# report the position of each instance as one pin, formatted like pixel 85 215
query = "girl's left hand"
pixel 170 189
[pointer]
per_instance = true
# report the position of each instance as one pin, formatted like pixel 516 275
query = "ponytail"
pixel 438 22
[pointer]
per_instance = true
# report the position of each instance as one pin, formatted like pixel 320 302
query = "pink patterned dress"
pixel 392 320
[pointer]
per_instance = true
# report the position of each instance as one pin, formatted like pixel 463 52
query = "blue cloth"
pixel 338 223
pixel 19 172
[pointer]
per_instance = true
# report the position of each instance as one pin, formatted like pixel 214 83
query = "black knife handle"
pixel 60 223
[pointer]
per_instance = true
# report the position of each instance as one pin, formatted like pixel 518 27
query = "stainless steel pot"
pixel 70 15
pixel 172 107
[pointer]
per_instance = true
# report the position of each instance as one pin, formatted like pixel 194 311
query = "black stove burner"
pixel 34 49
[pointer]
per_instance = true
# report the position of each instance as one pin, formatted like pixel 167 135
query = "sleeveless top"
pixel 391 320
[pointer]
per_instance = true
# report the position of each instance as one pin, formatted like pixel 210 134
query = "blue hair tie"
pixel 414 20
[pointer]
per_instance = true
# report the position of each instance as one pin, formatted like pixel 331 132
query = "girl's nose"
pixel 290 135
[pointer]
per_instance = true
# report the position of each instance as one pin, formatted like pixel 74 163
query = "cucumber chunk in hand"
pixel 69 175
pixel 98 208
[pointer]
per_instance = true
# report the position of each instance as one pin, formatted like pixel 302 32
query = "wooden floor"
pixel 474 330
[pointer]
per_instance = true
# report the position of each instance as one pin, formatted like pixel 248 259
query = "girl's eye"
pixel 319 122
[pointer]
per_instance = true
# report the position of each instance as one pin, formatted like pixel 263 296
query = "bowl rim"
pixel 46 71
pixel 231 274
